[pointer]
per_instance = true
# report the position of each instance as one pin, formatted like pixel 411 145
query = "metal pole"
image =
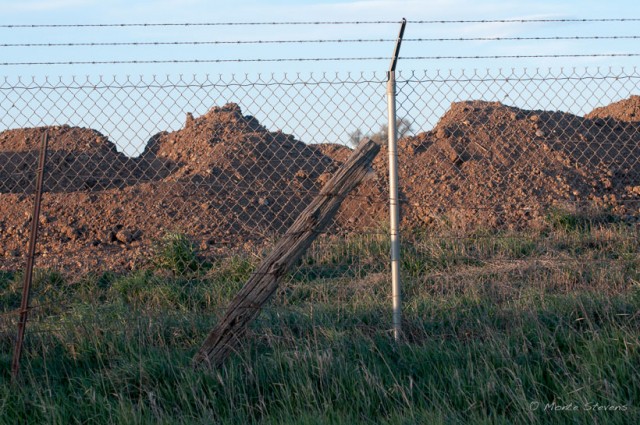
pixel 28 274
pixel 394 207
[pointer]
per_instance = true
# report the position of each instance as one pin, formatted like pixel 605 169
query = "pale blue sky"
pixel 130 117
pixel 178 11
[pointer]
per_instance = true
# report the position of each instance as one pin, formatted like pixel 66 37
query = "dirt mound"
pixel 627 110
pixel 205 140
pixel 230 183
pixel 268 177
pixel 490 165
pixel 225 142
pixel 334 151
pixel 78 159
pixel 61 138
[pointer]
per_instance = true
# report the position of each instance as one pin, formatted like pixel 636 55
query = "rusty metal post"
pixel 28 273
pixel 394 206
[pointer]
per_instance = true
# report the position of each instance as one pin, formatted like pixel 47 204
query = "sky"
pixel 198 11
pixel 130 117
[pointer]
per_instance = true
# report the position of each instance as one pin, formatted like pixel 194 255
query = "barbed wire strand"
pixel 523 21
pixel 197 24
pixel 313 41
pixel 274 23
pixel 329 59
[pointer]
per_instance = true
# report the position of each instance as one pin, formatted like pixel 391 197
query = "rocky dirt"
pixel 230 183
pixel 79 159
pixel 627 110
pixel 223 179
pixel 489 165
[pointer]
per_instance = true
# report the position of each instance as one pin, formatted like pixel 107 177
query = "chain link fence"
pixel 517 162
pixel 194 178
pixel 505 148
pixel 223 165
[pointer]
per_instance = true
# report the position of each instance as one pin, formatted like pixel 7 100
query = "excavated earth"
pixel 229 183
pixel 488 165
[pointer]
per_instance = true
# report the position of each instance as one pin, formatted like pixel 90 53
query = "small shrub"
pixel 130 286
pixel 580 221
pixel 5 278
pixel 10 287
pixel 236 269
pixel 560 219
pixel 221 282
pixel 176 252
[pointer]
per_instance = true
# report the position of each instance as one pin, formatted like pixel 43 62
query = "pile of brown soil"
pixel 489 165
pixel 627 110
pixel 78 159
pixel 230 183
pixel 223 179
pixel 264 179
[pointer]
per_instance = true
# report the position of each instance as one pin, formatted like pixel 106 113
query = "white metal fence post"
pixel 394 206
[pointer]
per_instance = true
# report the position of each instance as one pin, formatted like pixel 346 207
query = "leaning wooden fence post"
pixel 246 305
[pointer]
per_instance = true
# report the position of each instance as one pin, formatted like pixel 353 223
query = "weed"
pixel 232 269
pixel 578 221
pixel 5 278
pixel 175 252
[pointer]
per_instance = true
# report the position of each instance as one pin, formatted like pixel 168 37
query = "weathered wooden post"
pixel 247 304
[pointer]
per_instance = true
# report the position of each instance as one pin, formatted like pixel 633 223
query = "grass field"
pixel 500 328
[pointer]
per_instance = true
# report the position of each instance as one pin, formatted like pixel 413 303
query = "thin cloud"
pixel 42 5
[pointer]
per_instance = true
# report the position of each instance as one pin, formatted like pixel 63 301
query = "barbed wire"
pixel 568 37
pixel 274 23
pixel 533 56
pixel 313 41
pixel 329 59
pixel 197 24
pixel 197 43
pixel 498 21
pixel 181 61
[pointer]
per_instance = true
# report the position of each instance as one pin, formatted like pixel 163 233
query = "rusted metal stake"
pixel 28 273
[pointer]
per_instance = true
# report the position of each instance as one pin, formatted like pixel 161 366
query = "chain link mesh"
pixel 204 164
pixel 196 177
pixel 506 148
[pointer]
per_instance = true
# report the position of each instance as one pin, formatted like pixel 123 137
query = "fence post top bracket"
pixel 396 51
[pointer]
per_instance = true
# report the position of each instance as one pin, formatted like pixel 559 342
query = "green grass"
pixel 177 253
pixel 499 328
pixel 564 219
